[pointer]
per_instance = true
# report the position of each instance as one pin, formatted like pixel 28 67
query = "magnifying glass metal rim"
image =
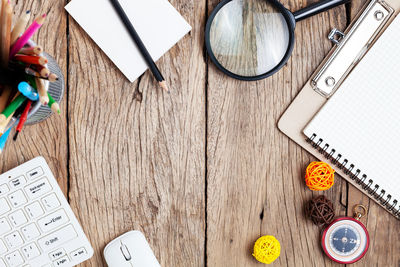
pixel 291 23
pixel 291 19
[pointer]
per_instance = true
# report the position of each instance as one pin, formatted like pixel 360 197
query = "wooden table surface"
pixel 203 171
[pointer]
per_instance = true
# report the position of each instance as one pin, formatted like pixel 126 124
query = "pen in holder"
pixel 39 112
pixel 31 81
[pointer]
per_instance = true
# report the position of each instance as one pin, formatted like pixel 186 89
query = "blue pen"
pixel 3 139
pixel 28 91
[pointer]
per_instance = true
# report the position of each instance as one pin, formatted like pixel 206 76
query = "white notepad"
pixel 157 22
pixel 361 121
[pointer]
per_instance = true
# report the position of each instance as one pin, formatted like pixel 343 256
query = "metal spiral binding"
pixel 362 180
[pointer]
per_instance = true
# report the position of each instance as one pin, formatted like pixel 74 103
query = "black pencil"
pixel 146 55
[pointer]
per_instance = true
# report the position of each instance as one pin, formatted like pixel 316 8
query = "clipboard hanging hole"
pixel 379 15
pixel 330 81
pixel 335 36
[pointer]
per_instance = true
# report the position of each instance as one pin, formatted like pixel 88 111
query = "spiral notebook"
pixel 359 126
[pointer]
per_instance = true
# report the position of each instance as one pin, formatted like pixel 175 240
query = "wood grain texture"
pixel 137 154
pixel 255 174
pixel 204 171
pixel 49 138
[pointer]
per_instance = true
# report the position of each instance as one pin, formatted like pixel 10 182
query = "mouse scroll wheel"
pixel 125 252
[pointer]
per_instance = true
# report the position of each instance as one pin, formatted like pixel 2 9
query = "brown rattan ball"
pixel 320 210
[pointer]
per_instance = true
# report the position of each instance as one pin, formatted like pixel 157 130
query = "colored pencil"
pixel 21 42
pixel 31 59
pixel 3 125
pixel 20 26
pixel 44 72
pixel 34 50
pixel 53 77
pixel 6 21
pixel 135 36
pixel 19 66
pixel 3 139
pixel 55 107
pixel 2 9
pixel 5 96
pixel 23 119
pixel 12 107
pixel 44 99
pixel 32 72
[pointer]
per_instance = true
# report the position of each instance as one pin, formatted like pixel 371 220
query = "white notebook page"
pixel 361 121
pixel 157 22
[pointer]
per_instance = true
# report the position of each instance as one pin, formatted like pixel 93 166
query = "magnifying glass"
pixel 252 39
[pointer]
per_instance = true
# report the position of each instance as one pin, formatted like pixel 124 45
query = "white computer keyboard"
pixel 37 225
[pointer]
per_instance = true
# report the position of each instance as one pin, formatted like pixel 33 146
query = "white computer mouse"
pixel 130 249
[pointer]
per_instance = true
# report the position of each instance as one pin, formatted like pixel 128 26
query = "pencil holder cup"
pixel 38 111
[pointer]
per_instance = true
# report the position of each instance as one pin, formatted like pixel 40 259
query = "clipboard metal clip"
pixel 335 36
pixel 351 47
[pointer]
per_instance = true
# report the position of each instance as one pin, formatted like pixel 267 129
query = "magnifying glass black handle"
pixel 317 8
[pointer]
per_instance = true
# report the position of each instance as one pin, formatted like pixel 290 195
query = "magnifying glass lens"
pixel 249 37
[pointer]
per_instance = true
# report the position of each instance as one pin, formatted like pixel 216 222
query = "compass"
pixel 346 239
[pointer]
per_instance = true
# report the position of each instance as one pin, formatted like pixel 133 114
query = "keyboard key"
pixel 17 218
pixel 15 259
pixel 34 210
pixel 64 261
pixel 38 188
pixel 3 248
pixel 4 189
pixel 57 238
pixel 30 251
pixel 35 173
pixel 78 254
pixel 4 207
pixel 13 240
pixel 17 182
pixel 17 198
pixel 52 221
pixel 51 202
pixel 57 254
pixel 30 232
pixel 4 226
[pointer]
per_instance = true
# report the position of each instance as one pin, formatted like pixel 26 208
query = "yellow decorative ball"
pixel 267 249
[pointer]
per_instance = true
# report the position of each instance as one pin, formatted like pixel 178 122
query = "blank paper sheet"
pixel 157 22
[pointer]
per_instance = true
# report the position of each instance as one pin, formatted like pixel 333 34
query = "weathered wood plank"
pixel 137 153
pixel 255 173
pixel 49 138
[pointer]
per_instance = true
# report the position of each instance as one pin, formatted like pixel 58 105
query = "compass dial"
pixel 345 240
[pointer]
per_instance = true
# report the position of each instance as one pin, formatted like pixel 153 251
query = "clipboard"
pixel 349 48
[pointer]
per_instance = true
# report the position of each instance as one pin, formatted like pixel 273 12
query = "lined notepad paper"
pixel 361 121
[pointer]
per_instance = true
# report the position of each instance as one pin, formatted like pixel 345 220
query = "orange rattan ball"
pixel 320 176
